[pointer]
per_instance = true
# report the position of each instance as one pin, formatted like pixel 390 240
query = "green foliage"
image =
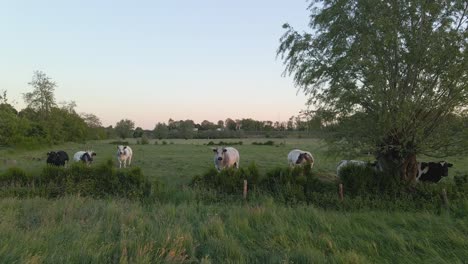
pixel 138 132
pixel 393 73
pixel 42 98
pixel 224 143
pixel 124 128
pixel 229 181
pixel 144 140
pixel 267 143
pixel 119 142
pixel 97 181
pixel 161 131
pixel 364 180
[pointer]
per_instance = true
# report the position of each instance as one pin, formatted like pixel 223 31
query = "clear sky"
pixel 154 60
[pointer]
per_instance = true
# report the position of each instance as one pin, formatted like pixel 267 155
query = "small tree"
pixel 124 128
pixel 138 132
pixel 42 97
pixel 91 120
pixel 230 124
pixel 161 131
pixel 392 71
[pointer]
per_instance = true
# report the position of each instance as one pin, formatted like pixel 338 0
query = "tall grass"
pixel 289 216
pixel 77 229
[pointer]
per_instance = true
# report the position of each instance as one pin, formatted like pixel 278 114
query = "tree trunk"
pixel 409 168
pixel 394 164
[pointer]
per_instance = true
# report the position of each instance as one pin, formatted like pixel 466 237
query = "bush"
pixel 223 143
pixel 144 140
pixel 119 142
pixel 229 181
pixel 364 180
pixel 14 176
pixel 267 143
pixel 98 181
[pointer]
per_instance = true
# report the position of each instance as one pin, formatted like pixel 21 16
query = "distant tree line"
pixel 44 121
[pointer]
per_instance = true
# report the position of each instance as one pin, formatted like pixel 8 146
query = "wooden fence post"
pixel 444 196
pixel 341 192
pixel 245 190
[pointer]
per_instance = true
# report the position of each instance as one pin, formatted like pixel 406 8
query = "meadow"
pixel 177 227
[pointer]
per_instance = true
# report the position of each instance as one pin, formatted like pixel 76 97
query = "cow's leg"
pixel 129 160
pixel 120 164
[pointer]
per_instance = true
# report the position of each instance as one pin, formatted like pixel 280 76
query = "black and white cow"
pixel 360 163
pixel 59 158
pixel 84 156
pixel 299 157
pixel 432 171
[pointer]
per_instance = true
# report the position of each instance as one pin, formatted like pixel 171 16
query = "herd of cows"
pixel 226 157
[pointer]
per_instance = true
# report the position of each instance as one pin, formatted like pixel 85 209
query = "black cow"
pixel 59 158
pixel 432 171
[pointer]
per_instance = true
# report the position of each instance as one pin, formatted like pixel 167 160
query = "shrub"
pixel 119 142
pixel 267 143
pixel 224 143
pixel 144 140
pixel 14 176
pixel 97 181
pixel 164 142
pixel 228 181
pixel 364 180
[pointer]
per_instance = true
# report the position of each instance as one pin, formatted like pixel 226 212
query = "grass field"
pixel 180 229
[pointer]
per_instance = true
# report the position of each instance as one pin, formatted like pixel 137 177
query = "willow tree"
pixel 394 71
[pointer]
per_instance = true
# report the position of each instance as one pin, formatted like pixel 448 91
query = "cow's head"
pixel 50 154
pixel 88 156
pixel 219 153
pixel 445 165
pixel 304 157
pixel 121 150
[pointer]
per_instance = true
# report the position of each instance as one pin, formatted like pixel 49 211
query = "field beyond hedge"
pixel 178 227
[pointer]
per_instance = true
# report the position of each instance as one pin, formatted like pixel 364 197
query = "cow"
pixel 84 156
pixel 59 158
pixel 298 157
pixel 226 157
pixel 124 153
pixel 432 171
pixel 344 163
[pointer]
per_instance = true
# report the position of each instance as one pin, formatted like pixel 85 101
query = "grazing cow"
pixel 297 157
pixel 226 157
pixel 344 163
pixel 124 153
pixel 84 156
pixel 59 158
pixel 432 171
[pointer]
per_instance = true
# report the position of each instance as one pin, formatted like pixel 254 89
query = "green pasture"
pixel 180 229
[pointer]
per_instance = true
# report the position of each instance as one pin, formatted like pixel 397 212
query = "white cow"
pixel 124 153
pixel 297 157
pixel 344 163
pixel 84 156
pixel 226 157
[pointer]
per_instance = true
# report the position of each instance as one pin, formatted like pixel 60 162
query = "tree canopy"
pixel 42 97
pixel 396 70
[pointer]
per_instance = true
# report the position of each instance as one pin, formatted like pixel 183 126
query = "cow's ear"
pixel 214 149
pixel 125 147
pixel 94 154
pixel 224 150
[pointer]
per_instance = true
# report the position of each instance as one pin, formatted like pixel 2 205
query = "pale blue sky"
pixel 152 60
